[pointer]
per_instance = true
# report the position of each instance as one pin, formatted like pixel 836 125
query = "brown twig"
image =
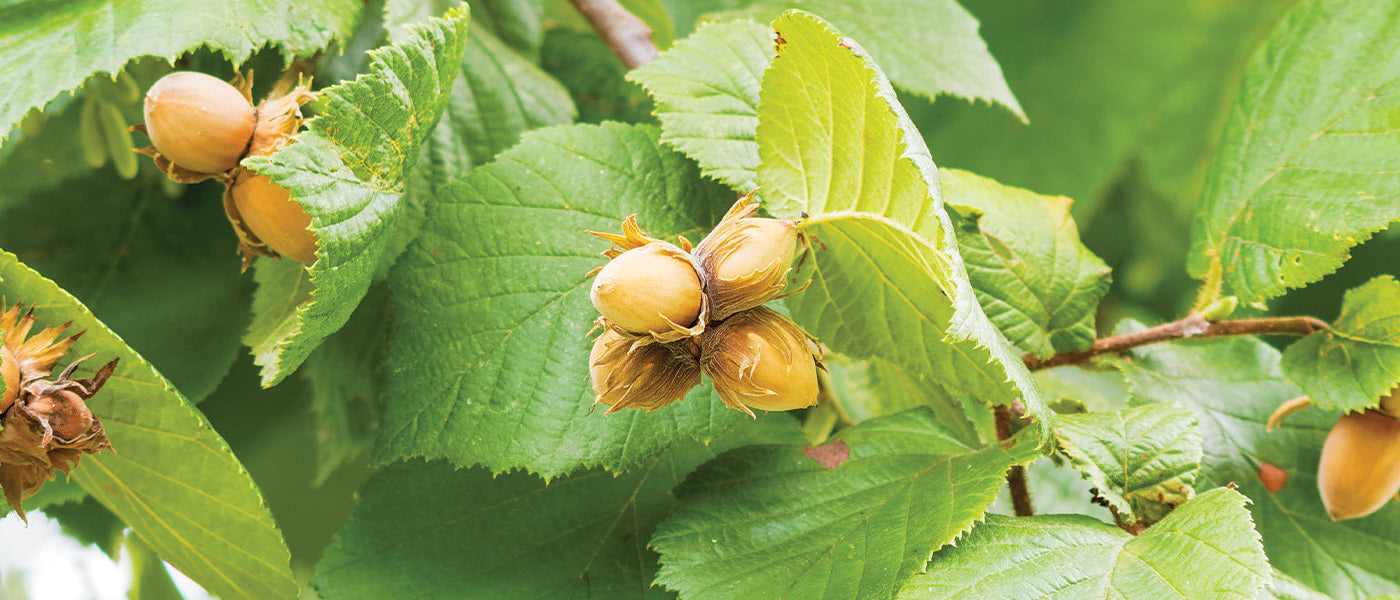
pixel 1016 477
pixel 628 36
pixel 1194 326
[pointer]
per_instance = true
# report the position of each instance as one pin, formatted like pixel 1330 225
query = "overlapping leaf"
pixel 349 172
pixel 171 477
pixel 49 48
pixel 1142 461
pixel 771 522
pixel 489 360
pixel 1038 283
pixel 931 48
pixel 706 92
pixel 886 277
pixel 432 530
pixel 1306 168
pixel 874 388
pixel 1205 550
pixel 1234 384
pixel 1350 366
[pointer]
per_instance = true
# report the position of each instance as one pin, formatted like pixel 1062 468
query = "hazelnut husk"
pixel 745 261
pixel 45 424
pixel 760 359
pixel 1360 466
pixel 629 374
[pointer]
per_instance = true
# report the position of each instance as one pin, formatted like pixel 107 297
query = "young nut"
pixel 649 376
pixel 199 122
pixel 760 359
pixel 746 260
pixel 1360 466
pixel 272 217
pixel 653 289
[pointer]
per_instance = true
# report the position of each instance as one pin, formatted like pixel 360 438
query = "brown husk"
pixel 629 374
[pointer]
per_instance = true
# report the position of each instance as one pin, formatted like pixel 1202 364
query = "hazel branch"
pixel 628 36
pixel 1016 477
pixel 1193 326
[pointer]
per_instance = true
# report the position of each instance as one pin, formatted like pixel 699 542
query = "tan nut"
pixel 648 376
pixel 745 260
pixel 1360 466
pixel 761 359
pixel 652 289
pixel 199 122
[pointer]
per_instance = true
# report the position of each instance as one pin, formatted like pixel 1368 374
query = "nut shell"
pixel 1360 466
pixel 653 289
pixel 199 122
pixel 269 213
pixel 745 260
pixel 761 359
pixel 649 376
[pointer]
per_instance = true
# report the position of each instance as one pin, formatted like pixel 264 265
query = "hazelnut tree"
pixel 707 300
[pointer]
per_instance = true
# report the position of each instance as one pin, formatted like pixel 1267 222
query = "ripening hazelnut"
pixel 652 289
pixel 270 214
pixel 745 260
pixel 760 359
pixel 631 375
pixel 1360 466
pixel 199 122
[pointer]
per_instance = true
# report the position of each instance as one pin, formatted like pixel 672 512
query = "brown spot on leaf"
pixel 829 455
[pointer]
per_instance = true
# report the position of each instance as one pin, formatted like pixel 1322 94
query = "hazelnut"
pixel 627 374
pixel 267 211
pixel 745 260
pixel 199 122
pixel 761 359
pixel 1360 466
pixel 652 289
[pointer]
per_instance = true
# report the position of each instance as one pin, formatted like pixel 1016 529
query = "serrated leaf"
pixel 875 388
pixel 1284 587
pixel 171 478
pixel 1305 169
pixel 771 522
pixel 1357 361
pixel 118 245
pixel 346 379
pixel 348 172
pixel 706 89
pixel 886 277
pixel 1234 384
pixel 931 48
pixel 1037 282
pixel 1205 550
pixel 489 360
pixel 48 48
pixel 512 536
pixel 1142 460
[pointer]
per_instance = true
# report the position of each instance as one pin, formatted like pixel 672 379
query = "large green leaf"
pixel 769 521
pixel 348 172
pixel 886 277
pixel 706 91
pixel 1142 461
pixel 519 23
pixel 1234 384
pixel 931 48
pixel 346 378
pixel 432 530
pixel 489 357
pixel 1306 167
pixel 874 388
pixel 1205 550
pixel 1350 366
pixel 1039 285
pixel 171 477
pixel 50 47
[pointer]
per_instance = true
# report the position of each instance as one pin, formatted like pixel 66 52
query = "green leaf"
pixel 1284 587
pixel 518 23
pixel 50 48
pixel 706 90
pixel 595 77
pixel 886 277
pixel 875 388
pixel 771 522
pixel 171 477
pixel 1302 176
pixel 511 536
pixel 1205 550
pixel 1350 366
pixel 346 379
pixel 1234 384
pixel 1142 461
pixel 348 172
pixel 489 358
pixel 1038 283
pixel 930 48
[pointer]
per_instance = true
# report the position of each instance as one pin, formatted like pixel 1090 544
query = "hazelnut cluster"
pixel 46 422
pixel 1360 466
pixel 201 127
pixel 669 314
